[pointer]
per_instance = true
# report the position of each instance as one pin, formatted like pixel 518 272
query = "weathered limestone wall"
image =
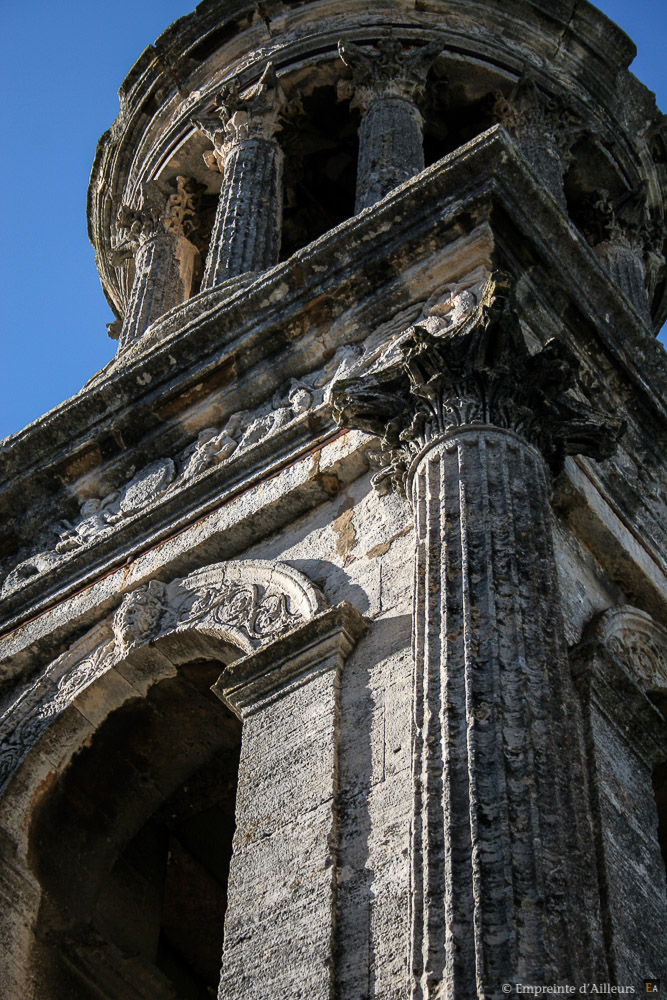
pixel 208 555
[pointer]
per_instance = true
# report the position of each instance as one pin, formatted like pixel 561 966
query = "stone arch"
pixel 621 671
pixel 638 642
pixel 198 624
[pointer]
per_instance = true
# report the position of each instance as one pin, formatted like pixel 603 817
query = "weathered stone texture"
pixel 288 588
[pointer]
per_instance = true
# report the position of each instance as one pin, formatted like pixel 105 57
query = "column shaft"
pixel 502 851
pixel 542 152
pixel 247 228
pixel 163 278
pixel 628 271
pixel 391 148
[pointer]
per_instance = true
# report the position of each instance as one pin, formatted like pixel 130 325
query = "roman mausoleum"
pixel 333 657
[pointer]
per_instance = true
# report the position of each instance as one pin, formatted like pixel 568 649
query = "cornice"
pixel 246 343
pixel 570 48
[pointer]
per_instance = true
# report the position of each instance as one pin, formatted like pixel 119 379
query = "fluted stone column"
pixel 618 230
pixel 543 129
pixel 164 258
pixel 248 222
pixel 504 885
pixel 387 86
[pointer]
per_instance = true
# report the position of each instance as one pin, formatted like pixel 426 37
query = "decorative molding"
pixel 480 373
pixel 27 718
pixel 638 642
pixel 247 603
pixel 99 517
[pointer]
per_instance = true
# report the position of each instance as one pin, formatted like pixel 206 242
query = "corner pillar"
pixel 280 925
pixel 248 222
pixel 503 864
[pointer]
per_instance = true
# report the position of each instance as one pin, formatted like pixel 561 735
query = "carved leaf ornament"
pixel 248 603
pixel 480 372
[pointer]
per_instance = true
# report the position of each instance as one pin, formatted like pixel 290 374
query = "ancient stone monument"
pixel 334 659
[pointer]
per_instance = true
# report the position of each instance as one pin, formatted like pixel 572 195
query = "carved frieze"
pixel 101 516
pixel 480 372
pixel 248 603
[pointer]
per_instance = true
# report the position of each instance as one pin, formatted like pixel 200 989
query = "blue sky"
pixel 61 66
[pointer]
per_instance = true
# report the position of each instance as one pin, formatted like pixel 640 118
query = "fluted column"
pixel 247 228
pixel 544 130
pixel 619 229
pixel 165 260
pixel 503 865
pixel 387 86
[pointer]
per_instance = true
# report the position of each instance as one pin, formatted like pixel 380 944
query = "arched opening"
pixel 132 847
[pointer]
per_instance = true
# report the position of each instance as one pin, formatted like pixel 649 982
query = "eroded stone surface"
pixel 396 789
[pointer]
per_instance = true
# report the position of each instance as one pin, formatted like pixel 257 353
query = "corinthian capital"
pixel 255 115
pixel 479 374
pixel 386 71
pixel 623 220
pixel 164 208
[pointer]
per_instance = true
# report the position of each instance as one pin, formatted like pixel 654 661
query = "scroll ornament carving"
pixel 250 602
pixel 638 642
pixel 255 611
pixel 26 719
pixel 254 115
pixel 165 209
pixel 389 70
pixel 478 373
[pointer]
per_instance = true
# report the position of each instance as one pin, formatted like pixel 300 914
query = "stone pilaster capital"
pixel 165 208
pixel 253 115
pixel 385 71
pixel 480 374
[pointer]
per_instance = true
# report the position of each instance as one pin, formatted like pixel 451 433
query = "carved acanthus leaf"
pixel 169 208
pixel 530 113
pixel 623 220
pixel 254 115
pixel 479 373
pixel 386 70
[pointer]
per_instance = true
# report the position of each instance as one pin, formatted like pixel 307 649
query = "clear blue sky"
pixel 62 64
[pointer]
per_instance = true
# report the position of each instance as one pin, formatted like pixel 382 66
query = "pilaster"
pixel 626 739
pixel 280 925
